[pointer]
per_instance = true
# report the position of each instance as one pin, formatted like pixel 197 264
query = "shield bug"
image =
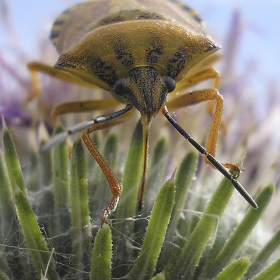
pixel 146 53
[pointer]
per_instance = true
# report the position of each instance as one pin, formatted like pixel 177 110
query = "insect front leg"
pixel 113 181
pixel 199 96
pixel 211 159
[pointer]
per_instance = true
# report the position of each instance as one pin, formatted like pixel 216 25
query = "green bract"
pixel 50 225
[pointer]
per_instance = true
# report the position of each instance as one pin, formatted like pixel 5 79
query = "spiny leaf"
pixel 12 162
pixel 81 235
pixel 234 271
pixel 102 255
pixel 146 261
pixel 192 251
pixel 271 273
pixel 33 237
pixel 236 240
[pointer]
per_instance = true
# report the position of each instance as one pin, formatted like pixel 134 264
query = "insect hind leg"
pixel 35 67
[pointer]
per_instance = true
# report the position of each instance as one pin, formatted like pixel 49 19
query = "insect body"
pixel 142 57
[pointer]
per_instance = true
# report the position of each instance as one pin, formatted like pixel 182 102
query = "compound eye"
pixel 119 87
pixel 170 83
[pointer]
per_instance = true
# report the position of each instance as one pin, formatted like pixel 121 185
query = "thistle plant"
pixel 52 229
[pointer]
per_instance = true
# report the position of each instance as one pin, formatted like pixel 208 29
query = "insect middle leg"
pixel 198 77
pixel 82 107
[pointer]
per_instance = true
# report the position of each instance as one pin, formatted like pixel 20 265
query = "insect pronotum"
pixel 143 52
